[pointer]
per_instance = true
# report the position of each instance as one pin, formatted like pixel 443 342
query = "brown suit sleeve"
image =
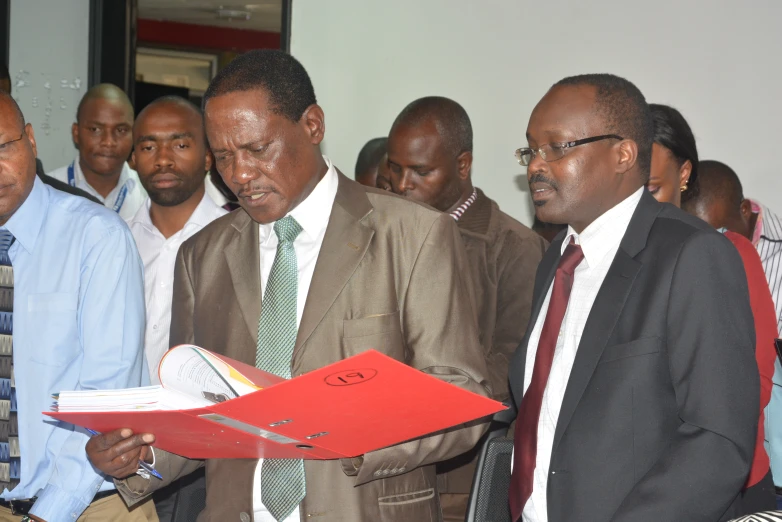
pixel 516 264
pixel 441 334
pixel 134 489
pixel 170 466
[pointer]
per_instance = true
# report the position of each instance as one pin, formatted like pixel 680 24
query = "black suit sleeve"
pixel 710 344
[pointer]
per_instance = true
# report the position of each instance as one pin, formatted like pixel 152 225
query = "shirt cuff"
pixel 57 505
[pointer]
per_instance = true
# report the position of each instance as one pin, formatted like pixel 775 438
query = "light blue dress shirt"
pixel 78 325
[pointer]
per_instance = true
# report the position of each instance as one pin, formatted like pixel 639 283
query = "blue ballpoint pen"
pixel 141 463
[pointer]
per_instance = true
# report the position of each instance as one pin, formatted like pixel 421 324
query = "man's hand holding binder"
pixel 117 453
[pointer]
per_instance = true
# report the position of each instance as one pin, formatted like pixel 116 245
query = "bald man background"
pixel 368 161
pixel 102 134
pixel 430 160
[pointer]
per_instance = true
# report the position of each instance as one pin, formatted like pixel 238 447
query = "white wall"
pixel 49 53
pixel 718 61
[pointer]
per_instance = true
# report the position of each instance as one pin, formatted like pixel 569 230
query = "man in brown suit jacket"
pixel 375 271
pixel 430 160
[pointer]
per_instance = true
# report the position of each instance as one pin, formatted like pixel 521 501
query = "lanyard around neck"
pixel 123 192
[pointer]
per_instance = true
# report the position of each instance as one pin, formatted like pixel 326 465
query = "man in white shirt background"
pixel 172 159
pixel 103 135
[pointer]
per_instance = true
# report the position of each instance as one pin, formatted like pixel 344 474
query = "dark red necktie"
pixel 525 442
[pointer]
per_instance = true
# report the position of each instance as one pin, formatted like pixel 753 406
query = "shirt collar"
pixel 605 233
pixel 25 224
pixel 124 179
pixel 459 211
pixel 767 224
pixel 312 213
pixel 206 212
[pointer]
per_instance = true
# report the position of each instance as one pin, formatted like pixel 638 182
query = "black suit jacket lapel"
pixel 607 308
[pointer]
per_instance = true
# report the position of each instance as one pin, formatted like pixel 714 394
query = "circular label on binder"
pixel 350 377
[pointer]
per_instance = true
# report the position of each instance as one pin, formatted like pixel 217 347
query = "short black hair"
pixel 173 99
pixel 673 132
pixel 370 155
pixel 624 111
pixel 283 78
pixel 10 99
pixel 450 119
pixel 717 182
pixel 104 91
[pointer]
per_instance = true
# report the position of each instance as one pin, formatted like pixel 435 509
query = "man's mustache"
pixel 540 178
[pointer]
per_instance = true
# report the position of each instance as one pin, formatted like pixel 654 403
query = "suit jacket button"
pixel 378 473
pixel 244 517
pixel 401 470
pixel 394 470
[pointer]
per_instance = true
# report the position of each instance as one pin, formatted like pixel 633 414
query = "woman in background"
pixel 673 179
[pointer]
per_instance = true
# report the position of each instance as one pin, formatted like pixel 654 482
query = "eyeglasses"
pixel 554 151
pixel 6 150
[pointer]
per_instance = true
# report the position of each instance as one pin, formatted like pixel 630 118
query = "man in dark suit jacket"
pixel 385 273
pixel 636 384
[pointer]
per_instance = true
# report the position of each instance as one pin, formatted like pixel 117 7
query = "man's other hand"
pixel 117 453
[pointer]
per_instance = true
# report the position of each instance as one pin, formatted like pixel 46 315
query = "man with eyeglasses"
pixel 636 387
pixel 71 318
pixel 430 161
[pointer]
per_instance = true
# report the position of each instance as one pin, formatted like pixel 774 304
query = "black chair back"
pixel 489 494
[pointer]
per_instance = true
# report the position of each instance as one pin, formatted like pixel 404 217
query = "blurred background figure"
pixel 676 178
pixel 674 157
pixel 369 159
pixel 102 134
pixel 720 202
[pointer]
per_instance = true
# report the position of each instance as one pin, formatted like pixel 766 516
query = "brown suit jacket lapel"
pixel 344 245
pixel 242 255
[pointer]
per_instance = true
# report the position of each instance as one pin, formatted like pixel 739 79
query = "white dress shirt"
pixel 134 199
pixel 313 215
pixel 159 256
pixel 599 242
